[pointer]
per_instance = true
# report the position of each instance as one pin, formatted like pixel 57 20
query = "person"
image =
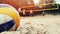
pixel 19 10
pixel 43 13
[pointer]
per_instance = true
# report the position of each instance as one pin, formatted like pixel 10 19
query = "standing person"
pixel 19 10
pixel 43 13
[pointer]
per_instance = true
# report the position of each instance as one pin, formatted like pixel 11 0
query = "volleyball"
pixel 9 18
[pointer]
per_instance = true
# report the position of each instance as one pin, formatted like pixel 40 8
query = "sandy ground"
pixel 47 24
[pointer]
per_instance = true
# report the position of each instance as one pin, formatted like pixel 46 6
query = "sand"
pixel 48 24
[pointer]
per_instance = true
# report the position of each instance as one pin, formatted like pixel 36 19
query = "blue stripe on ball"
pixel 6 26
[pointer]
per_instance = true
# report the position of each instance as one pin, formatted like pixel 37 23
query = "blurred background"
pixel 36 16
pixel 27 7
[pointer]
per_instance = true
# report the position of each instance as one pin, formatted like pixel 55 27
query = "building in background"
pixel 29 5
